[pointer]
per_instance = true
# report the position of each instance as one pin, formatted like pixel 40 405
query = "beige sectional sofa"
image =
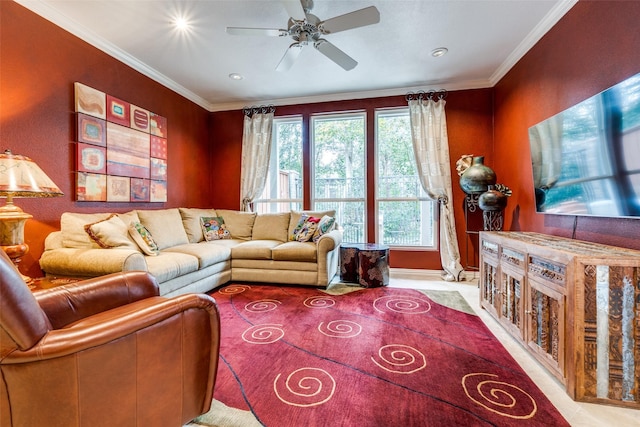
pixel 259 250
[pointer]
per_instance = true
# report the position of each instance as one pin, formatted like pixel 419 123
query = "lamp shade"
pixel 22 177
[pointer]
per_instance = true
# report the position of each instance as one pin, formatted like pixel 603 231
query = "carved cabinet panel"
pixel 574 305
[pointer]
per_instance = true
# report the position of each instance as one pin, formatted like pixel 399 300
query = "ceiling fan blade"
pixel 335 54
pixel 242 31
pixel 359 18
pixel 289 57
pixel 294 9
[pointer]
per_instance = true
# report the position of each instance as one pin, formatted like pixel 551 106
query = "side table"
pixel 364 263
pixel 49 282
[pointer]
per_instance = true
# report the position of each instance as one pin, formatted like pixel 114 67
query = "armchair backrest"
pixel 22 321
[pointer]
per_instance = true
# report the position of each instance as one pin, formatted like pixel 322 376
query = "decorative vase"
pixel 492 200
pixel 478 177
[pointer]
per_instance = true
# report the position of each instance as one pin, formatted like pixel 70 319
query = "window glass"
pixel 405 214
pixel 283 190
pixel 339 171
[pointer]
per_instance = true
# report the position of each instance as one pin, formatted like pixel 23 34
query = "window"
pixel 283 190
pixel 404 212
pixel 339 170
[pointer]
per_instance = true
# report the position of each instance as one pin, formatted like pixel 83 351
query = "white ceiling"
pixel 485 39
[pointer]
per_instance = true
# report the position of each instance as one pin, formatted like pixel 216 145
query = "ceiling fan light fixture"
pixel 236 76
pixel 438 52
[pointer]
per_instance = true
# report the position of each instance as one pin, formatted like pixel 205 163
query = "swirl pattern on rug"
pixel 500 397
pixel 402 304
pixel 262 305
pixel 263 334
pixel 400 359
pixel 305 387
pixel 340 328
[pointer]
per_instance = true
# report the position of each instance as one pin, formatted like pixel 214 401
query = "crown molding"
pixel 53 15
pixel 345 96
pixel 551 19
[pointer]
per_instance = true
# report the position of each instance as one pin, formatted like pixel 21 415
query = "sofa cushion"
pixel 271 226
pixel 254 249
pixel 295 219
pixel 207 254
pixel 129 217
pixel 111 233
pixel 239 224
pixel 73 232
pixel 165 225
pixel 295 251
pixel 169 265
pixel 191 222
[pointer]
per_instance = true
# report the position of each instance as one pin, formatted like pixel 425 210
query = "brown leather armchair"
pixel 104 352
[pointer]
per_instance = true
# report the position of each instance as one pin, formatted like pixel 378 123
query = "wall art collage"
pixel 121 151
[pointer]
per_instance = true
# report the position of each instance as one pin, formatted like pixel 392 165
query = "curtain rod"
pixel 256 109
pixel 430 94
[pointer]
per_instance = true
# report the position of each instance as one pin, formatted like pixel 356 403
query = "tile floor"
pixel 576 413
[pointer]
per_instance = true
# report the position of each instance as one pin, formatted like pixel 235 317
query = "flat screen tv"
pixel 586 159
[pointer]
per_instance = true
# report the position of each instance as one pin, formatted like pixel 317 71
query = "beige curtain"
pixel 431 150
pixel 256 149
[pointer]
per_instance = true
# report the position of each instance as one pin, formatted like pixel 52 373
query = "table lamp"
pixel 19 177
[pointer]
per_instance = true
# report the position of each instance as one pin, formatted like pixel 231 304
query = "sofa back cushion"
pixel 73 232
pixel 295 219
pixel 191 222
pixel 239 224
pixel 165 226
pixel 271 226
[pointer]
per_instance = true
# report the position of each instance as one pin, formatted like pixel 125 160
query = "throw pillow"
pixel 110 233
pixel 297 215
pixel 308 229
pixel 214 228
pixel 327 223
pixel 294 232
pixel 143 238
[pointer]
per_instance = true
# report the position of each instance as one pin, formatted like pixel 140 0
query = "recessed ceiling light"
pixel 235 76
pixel 181 23
pixel 439 52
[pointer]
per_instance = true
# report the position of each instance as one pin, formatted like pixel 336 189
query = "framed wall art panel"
pixel 121 151
pixel 91 187
pixel 91 130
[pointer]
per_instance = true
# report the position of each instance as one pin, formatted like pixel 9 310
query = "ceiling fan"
pixel 307 29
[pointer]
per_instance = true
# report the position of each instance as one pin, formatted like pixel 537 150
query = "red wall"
pixel 592 48
pixel 469 123
pixel 40 62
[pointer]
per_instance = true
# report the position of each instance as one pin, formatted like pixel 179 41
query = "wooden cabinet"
pixel 574 305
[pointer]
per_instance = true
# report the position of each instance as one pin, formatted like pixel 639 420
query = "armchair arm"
pixel 69 303
pixel 106 327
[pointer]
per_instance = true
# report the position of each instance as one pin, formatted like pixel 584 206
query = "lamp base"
pixel 16 252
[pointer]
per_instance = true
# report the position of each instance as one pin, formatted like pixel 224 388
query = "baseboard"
pixel 419 274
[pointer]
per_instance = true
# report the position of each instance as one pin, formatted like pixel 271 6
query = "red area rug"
pixel 373 357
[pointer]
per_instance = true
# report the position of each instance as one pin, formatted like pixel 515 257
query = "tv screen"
pixel 586 159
